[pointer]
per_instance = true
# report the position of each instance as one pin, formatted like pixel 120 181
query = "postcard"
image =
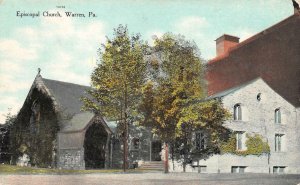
pixel 149 92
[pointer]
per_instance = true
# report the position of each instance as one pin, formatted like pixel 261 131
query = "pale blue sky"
pixel 65 48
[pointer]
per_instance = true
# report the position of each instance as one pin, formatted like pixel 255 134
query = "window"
pixel 238 169
pixel 35 117
pixel 200 141
pixel 278 142
pixel 240 141
pixel 277 116
pixel 237 112
pixel 278 169
pixel 202 169
pixel 135 144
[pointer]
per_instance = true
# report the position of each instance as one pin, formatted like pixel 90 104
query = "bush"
pixel 255 146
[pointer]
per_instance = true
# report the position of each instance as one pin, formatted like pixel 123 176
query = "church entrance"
pixel 95 146
pixel 156 151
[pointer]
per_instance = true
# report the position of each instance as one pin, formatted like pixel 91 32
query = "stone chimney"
pixel 225 42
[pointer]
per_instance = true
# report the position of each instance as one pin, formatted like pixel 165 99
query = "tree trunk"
pixel 125 153
pixel 125 148
pixel 184 164
pixel 166 158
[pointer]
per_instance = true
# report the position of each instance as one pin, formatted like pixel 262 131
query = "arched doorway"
pixel 95 146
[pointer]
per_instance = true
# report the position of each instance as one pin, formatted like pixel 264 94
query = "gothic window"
pixel 35 117
pixel 237 112
pixel 277 116
pixel 201 141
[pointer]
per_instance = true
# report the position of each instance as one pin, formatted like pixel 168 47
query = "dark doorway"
pixel 94 146
pixel 156 150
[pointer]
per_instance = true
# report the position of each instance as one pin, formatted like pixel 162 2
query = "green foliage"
pixel 176 80
pixel 118 78
pixel 229 146
pixel 255 146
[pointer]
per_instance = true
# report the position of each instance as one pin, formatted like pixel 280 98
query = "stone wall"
pixel 71 159
pixel 259 117
pixel 145 139
pixel 223 164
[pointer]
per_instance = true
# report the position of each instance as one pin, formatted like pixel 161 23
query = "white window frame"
pixel 279 169
pixel 237 112
pixel 278 116
pixel 279 142
pixel 238 169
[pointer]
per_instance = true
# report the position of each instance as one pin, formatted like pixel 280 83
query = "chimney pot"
pixel 225 42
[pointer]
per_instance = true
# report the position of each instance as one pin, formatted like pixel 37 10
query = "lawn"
pixel 12 169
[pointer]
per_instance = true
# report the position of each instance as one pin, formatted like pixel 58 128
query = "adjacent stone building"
pixel 258 81
pixel 257 109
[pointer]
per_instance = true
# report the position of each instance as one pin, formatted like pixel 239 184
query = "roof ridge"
pixel 254 37
pixel 235 88
pixel 66 82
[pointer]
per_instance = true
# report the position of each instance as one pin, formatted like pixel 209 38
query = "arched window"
pixel 135 144
pixel 277 116
pixel 237 112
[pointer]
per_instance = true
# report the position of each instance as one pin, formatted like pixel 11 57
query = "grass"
pixel 12 169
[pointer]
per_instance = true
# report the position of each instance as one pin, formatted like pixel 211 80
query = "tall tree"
pixel 117 81
pixel 170 103
pixel 5 138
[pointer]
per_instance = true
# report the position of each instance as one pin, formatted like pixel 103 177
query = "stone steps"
pixel 152 165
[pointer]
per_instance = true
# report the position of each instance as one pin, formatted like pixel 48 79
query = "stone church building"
pixel 84 140
pixel 258 81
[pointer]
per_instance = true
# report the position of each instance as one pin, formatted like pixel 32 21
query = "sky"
pixel 65 48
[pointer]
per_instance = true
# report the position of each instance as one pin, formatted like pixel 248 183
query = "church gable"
pixel 35 128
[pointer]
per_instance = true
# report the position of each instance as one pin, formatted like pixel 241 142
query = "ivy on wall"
pixel 255 146
pixel 34 133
